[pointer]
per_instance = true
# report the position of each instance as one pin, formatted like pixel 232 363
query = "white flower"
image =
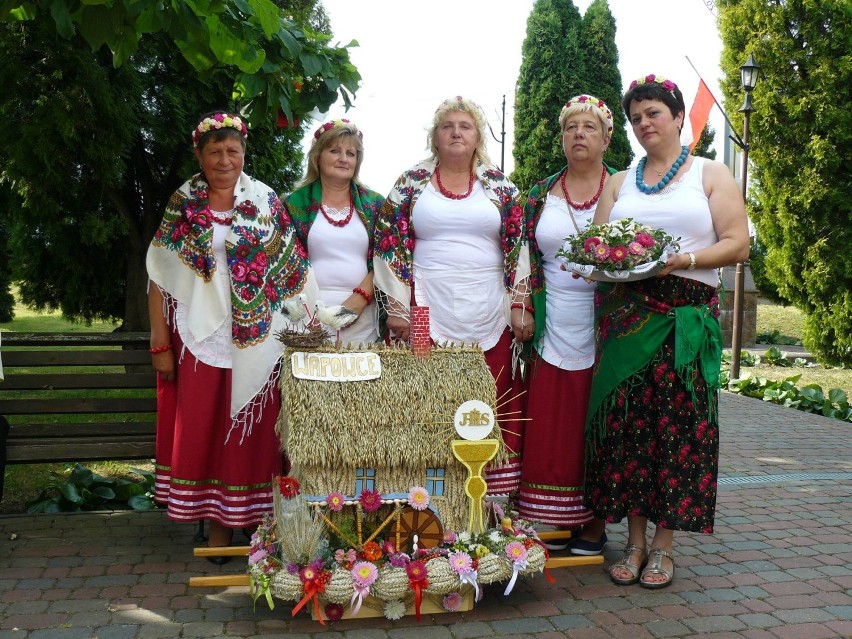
pixel 495 536
pixel 394 610
pixel 464 536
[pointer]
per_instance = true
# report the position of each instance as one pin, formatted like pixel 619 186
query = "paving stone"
pixel 667 628
pixel 759 620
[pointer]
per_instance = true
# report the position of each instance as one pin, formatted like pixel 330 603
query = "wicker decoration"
pixel 303 340
pixel 392 584
pixel 287 586
pixel 493 568
pixel 442 579
pixel 339 589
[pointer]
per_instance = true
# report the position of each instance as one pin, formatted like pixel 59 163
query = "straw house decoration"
pixel 386 434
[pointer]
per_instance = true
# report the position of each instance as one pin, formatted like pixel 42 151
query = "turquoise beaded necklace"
pixel 640 173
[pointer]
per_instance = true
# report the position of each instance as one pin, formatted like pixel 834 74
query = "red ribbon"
pixel 418 597
pixel 311 591
pixel 548 576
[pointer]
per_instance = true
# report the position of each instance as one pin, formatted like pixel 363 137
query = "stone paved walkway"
pixel 779 565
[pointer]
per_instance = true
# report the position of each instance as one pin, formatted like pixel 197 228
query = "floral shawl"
pixel 266 265
pixel 303 205
pixel 532 214
pixel 394 239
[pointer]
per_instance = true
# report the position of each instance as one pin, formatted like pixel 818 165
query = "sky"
pixel 413 55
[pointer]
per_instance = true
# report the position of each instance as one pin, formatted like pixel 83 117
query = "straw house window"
pixel 365 479
pixel 435 481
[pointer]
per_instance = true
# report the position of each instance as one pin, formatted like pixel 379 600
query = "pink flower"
pixel 601 251
pixel 452 602
pixel 635 248
pixel 590 244
pixel 450 537
pixel 364 573
pixel 416 571
pixel 645 239
pixel 335 501
pixel 460 562
pixel 516 551
pixel 418 498
pixel 370 500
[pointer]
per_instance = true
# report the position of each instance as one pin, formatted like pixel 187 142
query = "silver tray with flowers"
pixel 618 251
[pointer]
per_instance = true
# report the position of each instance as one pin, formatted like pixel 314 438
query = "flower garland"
pixel 652 78
pixel 219 121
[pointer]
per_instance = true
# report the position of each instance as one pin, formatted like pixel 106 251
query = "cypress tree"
pixel 551 72
pixel 602 77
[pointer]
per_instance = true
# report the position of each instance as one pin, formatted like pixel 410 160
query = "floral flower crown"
pixel 219 121
pixel 458 100
pixel 333 124
pixel 597 103
pixel 668 85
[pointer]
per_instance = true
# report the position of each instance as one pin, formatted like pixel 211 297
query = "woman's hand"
pixel 523 324
pixel 164 364
pixel 399 328
pixel 676 262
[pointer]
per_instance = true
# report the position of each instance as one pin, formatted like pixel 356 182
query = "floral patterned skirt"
pixel 658 456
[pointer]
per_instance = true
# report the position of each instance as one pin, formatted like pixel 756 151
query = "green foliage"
pixel 96 154
pixel 757 262
pixel 602 78
pixel 801 139
pixel 810 398
pixel 705 142
pixel 81 489
pixel 551 72
pixel 272 60
pixel 7 300
pixel 775 337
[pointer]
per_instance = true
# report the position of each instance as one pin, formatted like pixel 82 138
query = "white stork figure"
pixel 335 317
pixel 295 309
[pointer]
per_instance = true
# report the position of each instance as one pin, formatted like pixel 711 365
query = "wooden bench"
pixel 76 397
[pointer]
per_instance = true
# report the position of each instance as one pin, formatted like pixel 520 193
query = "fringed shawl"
pixel 266 265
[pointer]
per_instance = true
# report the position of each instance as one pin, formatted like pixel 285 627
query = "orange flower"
pixel 371 551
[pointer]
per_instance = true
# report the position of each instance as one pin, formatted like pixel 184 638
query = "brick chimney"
pixel 421 343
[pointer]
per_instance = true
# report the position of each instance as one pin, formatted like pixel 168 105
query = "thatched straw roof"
pixel 404 418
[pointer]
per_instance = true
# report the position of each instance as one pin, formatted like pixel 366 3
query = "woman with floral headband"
pixel 469 263
pixel 653 412
pixel 222 262
pixel 559 377
pixel 334 217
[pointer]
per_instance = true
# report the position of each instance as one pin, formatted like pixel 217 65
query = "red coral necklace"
pixel 588 203
pixel 345 220
pixel 222 217
pixel 446 193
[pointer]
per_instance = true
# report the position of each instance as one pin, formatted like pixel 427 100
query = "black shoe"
pixel 588 548
pixel 219 560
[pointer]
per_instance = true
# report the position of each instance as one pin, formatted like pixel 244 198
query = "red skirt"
pixel 200 475
pixel 506 478
pixel 551 485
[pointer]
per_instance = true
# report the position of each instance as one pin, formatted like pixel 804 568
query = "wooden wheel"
pixel 423 523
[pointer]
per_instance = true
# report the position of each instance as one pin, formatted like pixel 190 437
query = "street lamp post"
pixel 748 77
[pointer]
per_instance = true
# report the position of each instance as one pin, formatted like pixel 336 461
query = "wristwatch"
pixel 691 266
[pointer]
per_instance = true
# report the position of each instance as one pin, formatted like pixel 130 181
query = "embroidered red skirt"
pixel 201 473
pixel 506 478
pixel 551 486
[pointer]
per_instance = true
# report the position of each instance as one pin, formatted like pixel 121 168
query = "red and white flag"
pixel 700 112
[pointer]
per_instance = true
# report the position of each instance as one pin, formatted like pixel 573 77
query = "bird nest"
pixel 302 339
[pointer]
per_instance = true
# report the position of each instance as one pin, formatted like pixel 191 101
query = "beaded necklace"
pixel 345 220
pixel 446 193
pixel 222 217
pixel 588 203
pixel 640 173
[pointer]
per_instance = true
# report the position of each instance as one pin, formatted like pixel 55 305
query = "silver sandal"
pixel 625 563
pixel 655 567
